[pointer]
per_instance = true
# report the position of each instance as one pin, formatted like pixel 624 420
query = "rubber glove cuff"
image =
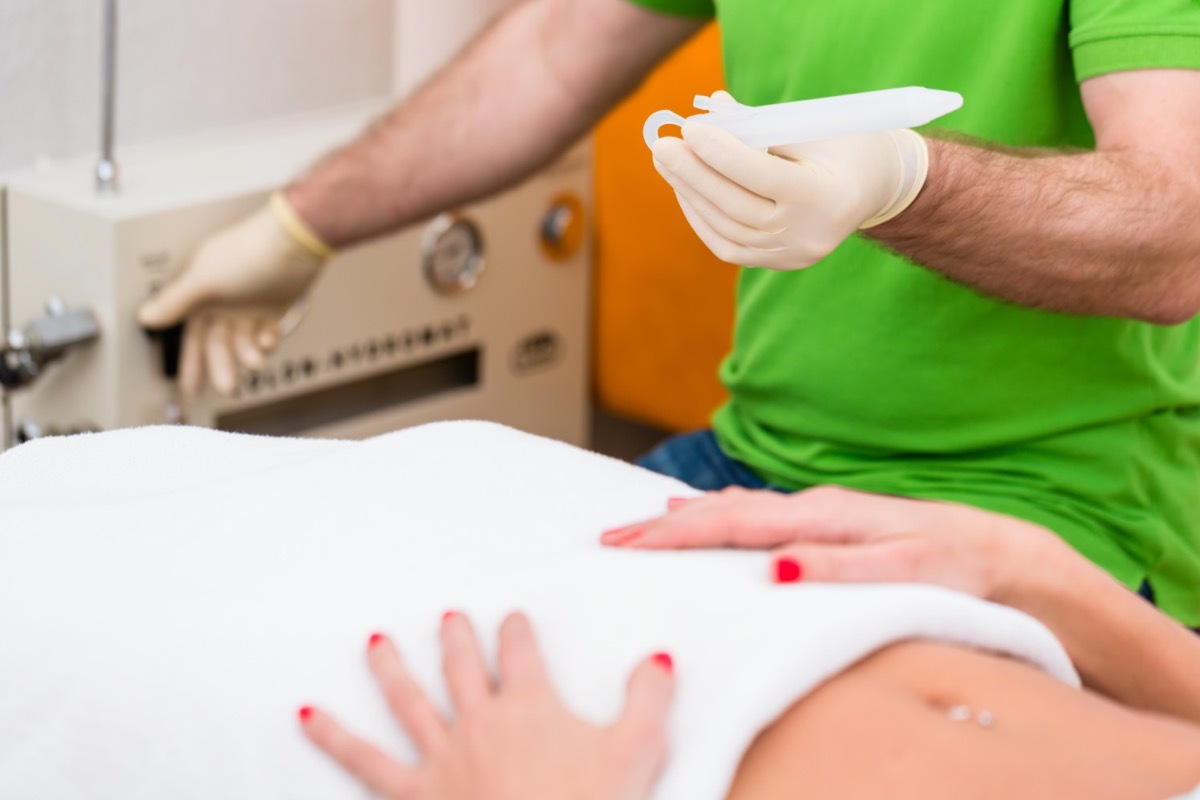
pixel 297 228
pixel 912 152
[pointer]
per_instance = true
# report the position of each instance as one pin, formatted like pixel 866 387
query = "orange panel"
pixel 663 304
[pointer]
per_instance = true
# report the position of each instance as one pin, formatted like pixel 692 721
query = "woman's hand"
pixel 834 535
pixel 511 740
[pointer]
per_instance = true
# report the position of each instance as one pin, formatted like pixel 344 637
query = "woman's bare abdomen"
pixel 885 728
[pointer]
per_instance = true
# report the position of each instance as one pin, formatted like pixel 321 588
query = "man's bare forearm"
pixel 1106 233
pixel 522 93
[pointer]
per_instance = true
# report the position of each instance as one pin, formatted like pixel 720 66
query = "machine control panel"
pixel 402 330
pixel 420 342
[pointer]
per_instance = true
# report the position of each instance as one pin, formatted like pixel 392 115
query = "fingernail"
pixel 305 713
pixel 788 570
pixel 375 639
pixel 629 538
pixel 619 536
pixel 448 616
pixel 676 502
pixel 665 661
pixel 608 536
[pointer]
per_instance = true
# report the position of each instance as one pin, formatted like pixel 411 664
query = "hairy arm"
pixel 1111 232
pixel 523 92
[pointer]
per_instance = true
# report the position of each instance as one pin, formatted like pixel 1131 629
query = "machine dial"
pixel 452 254
pixel 563 227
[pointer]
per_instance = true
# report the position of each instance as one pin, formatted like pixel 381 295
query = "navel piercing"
pixel 985 719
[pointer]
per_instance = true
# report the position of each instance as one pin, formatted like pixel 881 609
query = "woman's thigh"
pixel 894 726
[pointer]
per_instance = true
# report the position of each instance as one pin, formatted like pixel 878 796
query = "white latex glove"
pixel 789 208
pixel 235 291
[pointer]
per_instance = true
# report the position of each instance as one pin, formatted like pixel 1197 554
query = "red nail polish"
pixel 448 615
pixel 375 639
pixel 788 570
pixel 305 713
pixel 675 502
pixel 665 661
pixel 629 538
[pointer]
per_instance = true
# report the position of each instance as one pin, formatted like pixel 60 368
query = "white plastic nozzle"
pixel 782 124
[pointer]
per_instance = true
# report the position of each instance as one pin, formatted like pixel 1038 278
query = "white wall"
pixel 185 66
pixel 428 32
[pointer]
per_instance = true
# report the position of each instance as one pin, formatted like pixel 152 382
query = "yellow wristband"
pixel 290 221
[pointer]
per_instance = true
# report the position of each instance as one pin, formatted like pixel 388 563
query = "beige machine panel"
pixel 6 430
pixel 480 314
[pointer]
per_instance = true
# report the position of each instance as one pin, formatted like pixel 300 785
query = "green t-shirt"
pixel 873 373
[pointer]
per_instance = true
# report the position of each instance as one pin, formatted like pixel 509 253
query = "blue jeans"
pixel 695 459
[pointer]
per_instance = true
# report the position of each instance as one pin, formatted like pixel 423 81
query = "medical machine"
pixel 479 313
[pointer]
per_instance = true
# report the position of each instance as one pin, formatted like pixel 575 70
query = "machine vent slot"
pixel 316 409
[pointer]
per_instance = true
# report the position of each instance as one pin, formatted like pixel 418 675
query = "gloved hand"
pixel 789 208
pixel 235 291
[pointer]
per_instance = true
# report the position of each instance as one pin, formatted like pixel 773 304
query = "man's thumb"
pixel 170 306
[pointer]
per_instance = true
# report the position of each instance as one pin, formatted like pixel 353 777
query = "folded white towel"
pixel 170 596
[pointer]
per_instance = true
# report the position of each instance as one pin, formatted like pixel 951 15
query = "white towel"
pixel 170 596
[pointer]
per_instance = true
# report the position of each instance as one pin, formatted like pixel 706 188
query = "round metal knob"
pixel 563 227
pixel 452 254
pixel 27 431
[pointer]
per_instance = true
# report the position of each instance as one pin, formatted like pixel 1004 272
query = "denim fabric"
pixel 695 459
pixel 1145 591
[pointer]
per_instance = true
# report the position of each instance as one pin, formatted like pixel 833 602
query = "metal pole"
pixel 106 168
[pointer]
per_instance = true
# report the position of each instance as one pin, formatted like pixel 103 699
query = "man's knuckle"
pixel 726 251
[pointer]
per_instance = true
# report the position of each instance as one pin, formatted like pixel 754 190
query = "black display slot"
pixel 327 406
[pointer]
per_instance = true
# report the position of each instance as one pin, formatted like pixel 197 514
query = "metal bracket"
pixel 24 354
pixel 106 167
